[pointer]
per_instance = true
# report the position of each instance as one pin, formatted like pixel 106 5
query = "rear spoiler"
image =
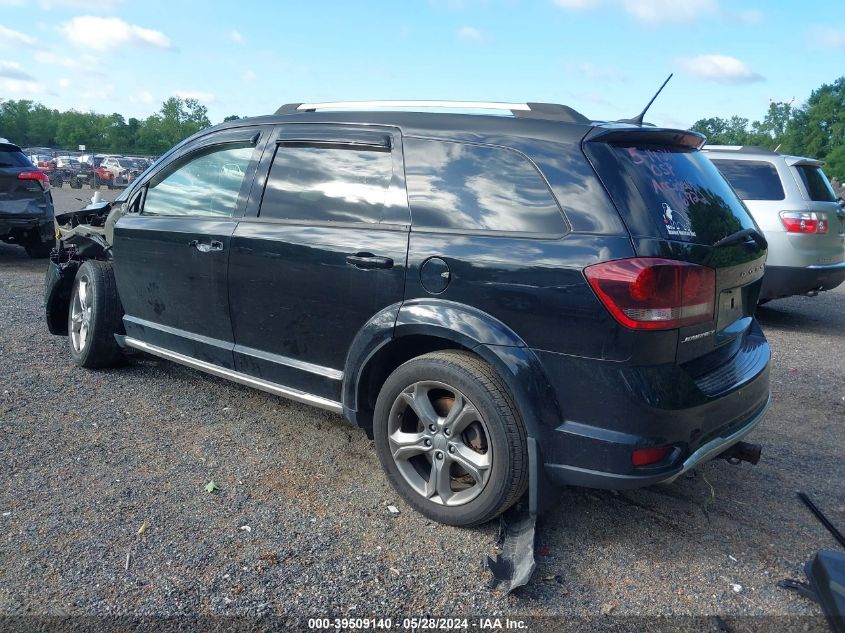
pixel 655 136
pixel 796 161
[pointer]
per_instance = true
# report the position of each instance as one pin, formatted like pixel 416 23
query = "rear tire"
pixel 95 316
pixel 76 183
pixel 461 467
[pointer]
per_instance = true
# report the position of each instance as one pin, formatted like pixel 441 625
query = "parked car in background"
pixel 26 207
pixel 123 170
pixel 792 201
pixel 495 299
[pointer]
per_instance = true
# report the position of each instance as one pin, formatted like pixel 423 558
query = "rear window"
pixel 816 183
pixel 681 192
pixel 13 158
pixel 752 179
pixel 459 186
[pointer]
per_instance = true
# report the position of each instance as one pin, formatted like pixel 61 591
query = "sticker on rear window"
pixel 677 222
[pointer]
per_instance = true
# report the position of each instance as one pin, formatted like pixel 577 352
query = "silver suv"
pixel 795 206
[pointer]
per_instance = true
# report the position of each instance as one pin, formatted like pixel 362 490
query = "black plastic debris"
pixel 513 566
pixel 826 575
pixel 822 518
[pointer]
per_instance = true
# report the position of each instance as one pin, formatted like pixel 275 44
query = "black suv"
pixel 502 302
pixel 26 207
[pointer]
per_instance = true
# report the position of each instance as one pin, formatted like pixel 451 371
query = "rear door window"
pixel 752 180
pixel 817 185
pixel 680 191
pixel 328 182
pixel 459 186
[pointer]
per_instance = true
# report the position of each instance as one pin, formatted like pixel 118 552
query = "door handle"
pixel 214 245
pixel 368 260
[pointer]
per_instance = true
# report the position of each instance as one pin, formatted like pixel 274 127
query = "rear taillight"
pixel 647 293
pixel 804 222
pixel 35 175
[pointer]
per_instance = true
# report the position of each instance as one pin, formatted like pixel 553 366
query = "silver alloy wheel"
pixel 80 314
pixel 440 443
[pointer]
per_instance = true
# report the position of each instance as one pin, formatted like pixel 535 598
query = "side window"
pixel 207 185
pixel 460 186
pixel 328 183
pixel 752 179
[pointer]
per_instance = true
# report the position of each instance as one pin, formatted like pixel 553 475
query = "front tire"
pixel 95 316
pixel 450 438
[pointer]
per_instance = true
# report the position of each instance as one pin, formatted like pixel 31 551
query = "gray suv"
pixel 795 206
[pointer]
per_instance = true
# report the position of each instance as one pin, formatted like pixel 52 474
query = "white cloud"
pixel 657 11
pixel 577 5
pixel 102 5
pixel 721 68
pixel 107 33
pixel 8 37
pixel 599 73
pixel 827 38
pixel 199 95
pixel 248 76
pixel 749 16
pixel 13 70
pixel 143 97
pixel 14 87
pixel 236 37
pixel 470 34
pixel 64 82
pixel 51 59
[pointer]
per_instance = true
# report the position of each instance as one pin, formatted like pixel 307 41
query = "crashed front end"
pixel 80 235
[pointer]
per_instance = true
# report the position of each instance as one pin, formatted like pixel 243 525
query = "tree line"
pixel 815 128
pixel 30 124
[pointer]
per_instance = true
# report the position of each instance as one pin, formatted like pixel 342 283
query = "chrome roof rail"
pixel 548 111
pixel 368 105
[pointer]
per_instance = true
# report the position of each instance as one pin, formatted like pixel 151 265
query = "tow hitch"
pixel 742 452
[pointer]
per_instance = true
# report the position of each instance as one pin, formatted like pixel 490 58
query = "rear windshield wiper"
pixel 740 236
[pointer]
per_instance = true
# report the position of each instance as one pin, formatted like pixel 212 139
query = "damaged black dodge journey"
pixel 505 302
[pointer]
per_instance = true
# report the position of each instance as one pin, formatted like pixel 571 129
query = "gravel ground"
pixel 300 526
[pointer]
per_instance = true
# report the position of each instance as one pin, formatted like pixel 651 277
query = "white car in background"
pixel 793 203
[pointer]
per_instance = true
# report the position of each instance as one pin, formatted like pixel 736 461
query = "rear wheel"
pixel 76 183
pixel 95 316
pixel 450 438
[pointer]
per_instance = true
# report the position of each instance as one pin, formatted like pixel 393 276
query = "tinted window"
pixel 204 186
pixel 816 183
pixel 461 186
pixel 753 180
pixel 328 183
pixel 683 192
pixel 13 158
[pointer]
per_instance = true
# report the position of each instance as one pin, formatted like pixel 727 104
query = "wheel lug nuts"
pixel 447 432
pixel 432 428
pixel 451 449
pixel 438 455
pixel 428 442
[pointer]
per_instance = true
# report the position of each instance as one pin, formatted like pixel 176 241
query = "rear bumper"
pixel 560 473
pixel 609 411
pixel 784 281
pixel 17 226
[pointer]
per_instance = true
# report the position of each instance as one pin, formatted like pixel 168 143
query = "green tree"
pixel 231 117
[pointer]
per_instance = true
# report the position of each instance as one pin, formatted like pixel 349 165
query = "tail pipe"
pixel 742 452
